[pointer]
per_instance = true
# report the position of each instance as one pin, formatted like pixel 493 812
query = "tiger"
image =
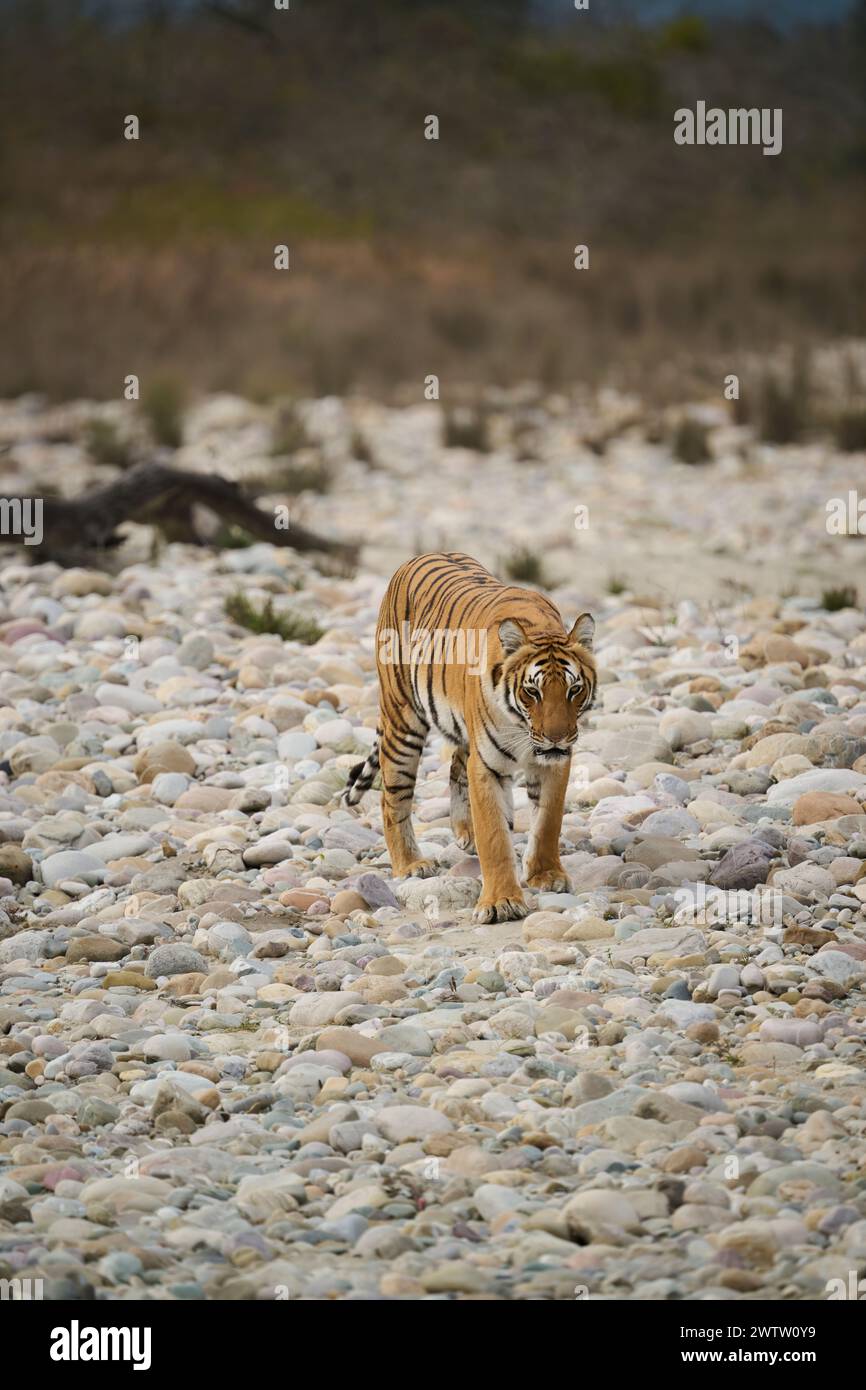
pixel 509 707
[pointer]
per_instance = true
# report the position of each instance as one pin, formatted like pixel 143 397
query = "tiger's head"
pixel 544 682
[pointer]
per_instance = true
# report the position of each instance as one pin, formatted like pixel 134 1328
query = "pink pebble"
pixel 16 631
pixel 52 1176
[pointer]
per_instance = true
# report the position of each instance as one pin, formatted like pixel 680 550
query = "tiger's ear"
pixel 583 631
pixel 511 635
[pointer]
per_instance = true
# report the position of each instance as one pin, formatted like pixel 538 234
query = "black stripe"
pixel 462 595
pixel 444 587
pixel 431 702
pixel 397 755
pixel 499 750
pixel 500 777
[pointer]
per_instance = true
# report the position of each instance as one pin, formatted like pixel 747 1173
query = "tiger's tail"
pixel 362 776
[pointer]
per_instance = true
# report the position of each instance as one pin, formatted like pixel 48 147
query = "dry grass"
pixel 410 257
pixel 348 321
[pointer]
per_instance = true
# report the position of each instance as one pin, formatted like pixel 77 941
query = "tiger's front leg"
pixel 501 896
pixel 541 866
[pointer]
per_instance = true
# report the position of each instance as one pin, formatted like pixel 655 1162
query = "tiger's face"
pixel 544 684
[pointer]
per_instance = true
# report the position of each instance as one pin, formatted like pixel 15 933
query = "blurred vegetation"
pixel 850 429
pixel 292 627
pixel 835 599
pixel 783 411
pixel 629 85
pixel 105 444
pixel 162 405
pixel 201 209
pixel 690 441
pixel 228 537
pixel 408 256
pixel 361 449
pixel 525 566
pixel 290 433
pixel 688 33
pixel 297 476
pixel 466 427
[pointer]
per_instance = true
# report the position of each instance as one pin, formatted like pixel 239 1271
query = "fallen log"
pixel 77 528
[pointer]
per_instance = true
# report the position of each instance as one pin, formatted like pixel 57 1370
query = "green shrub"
pixel 292 627
pixel 843 597
pixel 105 444
pixel 166 211
pixel 162 405
pixel 629 84
pixel 688 33
pixel 545 72
pixel 230 537
pixel 690 441
pixel 525 566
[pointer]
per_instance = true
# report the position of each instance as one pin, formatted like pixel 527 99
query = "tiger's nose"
pixel 563 740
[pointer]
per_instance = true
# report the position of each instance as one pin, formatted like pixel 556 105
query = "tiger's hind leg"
pixel 400 749
pixel 461 811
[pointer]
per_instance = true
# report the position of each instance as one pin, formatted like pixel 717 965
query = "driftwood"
pixel 74 528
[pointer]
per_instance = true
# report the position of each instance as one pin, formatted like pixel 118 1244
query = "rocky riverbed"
pixel 238 1060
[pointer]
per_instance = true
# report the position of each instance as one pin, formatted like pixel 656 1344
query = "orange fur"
pixel 506 686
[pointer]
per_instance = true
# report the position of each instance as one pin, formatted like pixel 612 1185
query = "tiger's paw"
pixel 464 838
pixel 419 868
pixel 503 910
pixel 550 881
